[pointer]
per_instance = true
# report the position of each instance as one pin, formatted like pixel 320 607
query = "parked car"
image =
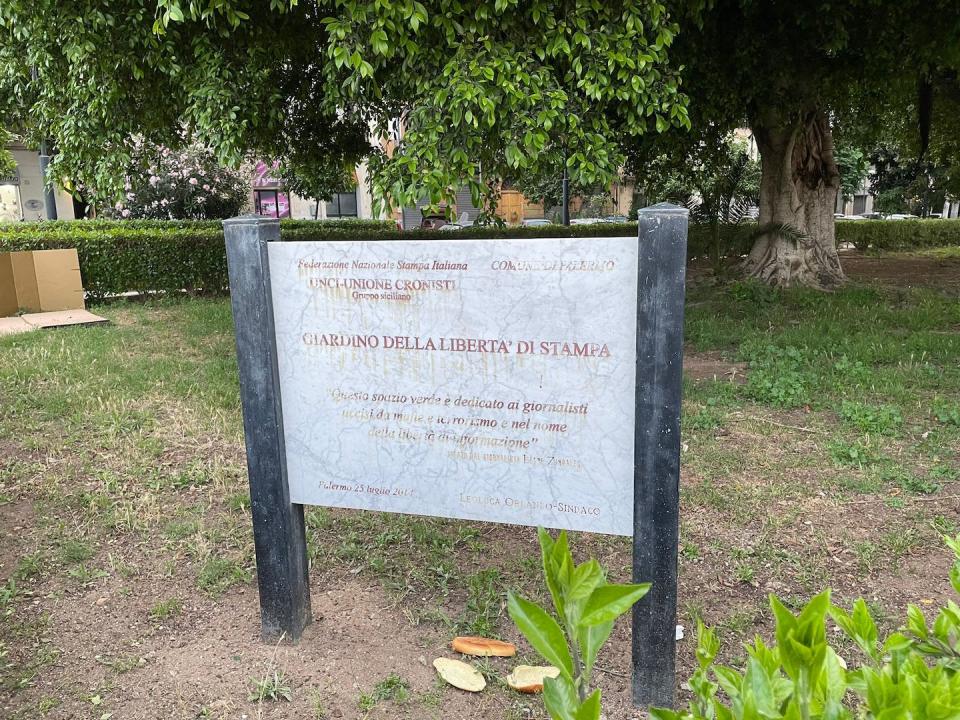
pixel 616 219
pixel 438 221
pixel 839 216
pixel 902 216
pixel 536 222
pixel 585 221
pixel 433 222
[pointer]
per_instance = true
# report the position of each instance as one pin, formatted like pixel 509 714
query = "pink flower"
pixel 125 213
pixel 206 187
pixel 192 181
pixel 154 180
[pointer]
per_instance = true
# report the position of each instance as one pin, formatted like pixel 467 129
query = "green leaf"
pixel 916 622
pixel 665 714
pixel 707 645
pixel 834 677
pixel 591 638
pixel 859 626
pixel 609 602
pixel 590 709
pixel 542 632
pixel 549 571
pixel 584 581
pixel 560 698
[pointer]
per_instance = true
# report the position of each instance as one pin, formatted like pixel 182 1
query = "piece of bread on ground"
pixel 483 647
pixel 529 678
pixel 460 675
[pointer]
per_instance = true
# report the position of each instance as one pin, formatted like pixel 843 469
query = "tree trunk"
pixel 798 196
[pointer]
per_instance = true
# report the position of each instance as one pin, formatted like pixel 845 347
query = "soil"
pixel 712 366
pixel 905 271
pixel 902 270
pixel 204 659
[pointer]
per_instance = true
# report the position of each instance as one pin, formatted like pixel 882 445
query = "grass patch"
pixel 217 575
pixel 166 609
pixel 392 688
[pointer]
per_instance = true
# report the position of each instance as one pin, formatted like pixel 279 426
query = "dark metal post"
pixel 49 194
pixel 566 193
pixel 656 482
pixel 278 529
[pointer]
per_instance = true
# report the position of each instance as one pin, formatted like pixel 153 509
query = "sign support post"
pixel 279 535
pixel 656 490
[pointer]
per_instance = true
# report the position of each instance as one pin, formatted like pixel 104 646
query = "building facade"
pixel 270 198
pixel 21 192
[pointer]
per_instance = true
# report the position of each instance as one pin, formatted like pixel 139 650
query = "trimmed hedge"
pixel 898 234
pixel 173 255
pixel 157 255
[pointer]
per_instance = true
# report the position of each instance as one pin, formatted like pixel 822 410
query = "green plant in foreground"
pixel 911 674
pixel 587 605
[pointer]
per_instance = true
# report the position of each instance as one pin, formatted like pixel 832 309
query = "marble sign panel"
pixel 476 379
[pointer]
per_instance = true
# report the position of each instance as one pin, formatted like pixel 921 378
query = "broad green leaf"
pixel 916 623
pixel 729 679
pixel 815 610
pixel 757 684
pixel 707 644
pixel 834 677
pixel 609 602
pixel 560 698
pixel 590 709
pixel 562 560
pixel 584 581
pixel 591 638
pixel 542 632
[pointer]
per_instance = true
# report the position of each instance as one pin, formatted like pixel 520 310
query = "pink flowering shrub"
pixel 186 184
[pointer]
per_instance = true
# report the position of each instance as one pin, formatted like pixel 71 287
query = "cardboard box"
pixel 43 281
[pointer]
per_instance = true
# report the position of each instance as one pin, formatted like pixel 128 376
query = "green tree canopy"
pixel 792 71
pixel 472 91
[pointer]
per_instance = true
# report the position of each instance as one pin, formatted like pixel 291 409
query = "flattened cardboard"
pixel 12 325
pixel 63 318
pixel 8 290
pixel 41 321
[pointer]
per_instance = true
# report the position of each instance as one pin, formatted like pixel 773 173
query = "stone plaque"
pixel 477 379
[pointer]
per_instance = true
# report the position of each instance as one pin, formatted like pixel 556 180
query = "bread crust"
pixel 483 647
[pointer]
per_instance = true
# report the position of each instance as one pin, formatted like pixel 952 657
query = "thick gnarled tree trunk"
pixel 798 194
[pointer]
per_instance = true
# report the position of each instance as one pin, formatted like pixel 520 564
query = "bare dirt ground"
pixel 905 271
